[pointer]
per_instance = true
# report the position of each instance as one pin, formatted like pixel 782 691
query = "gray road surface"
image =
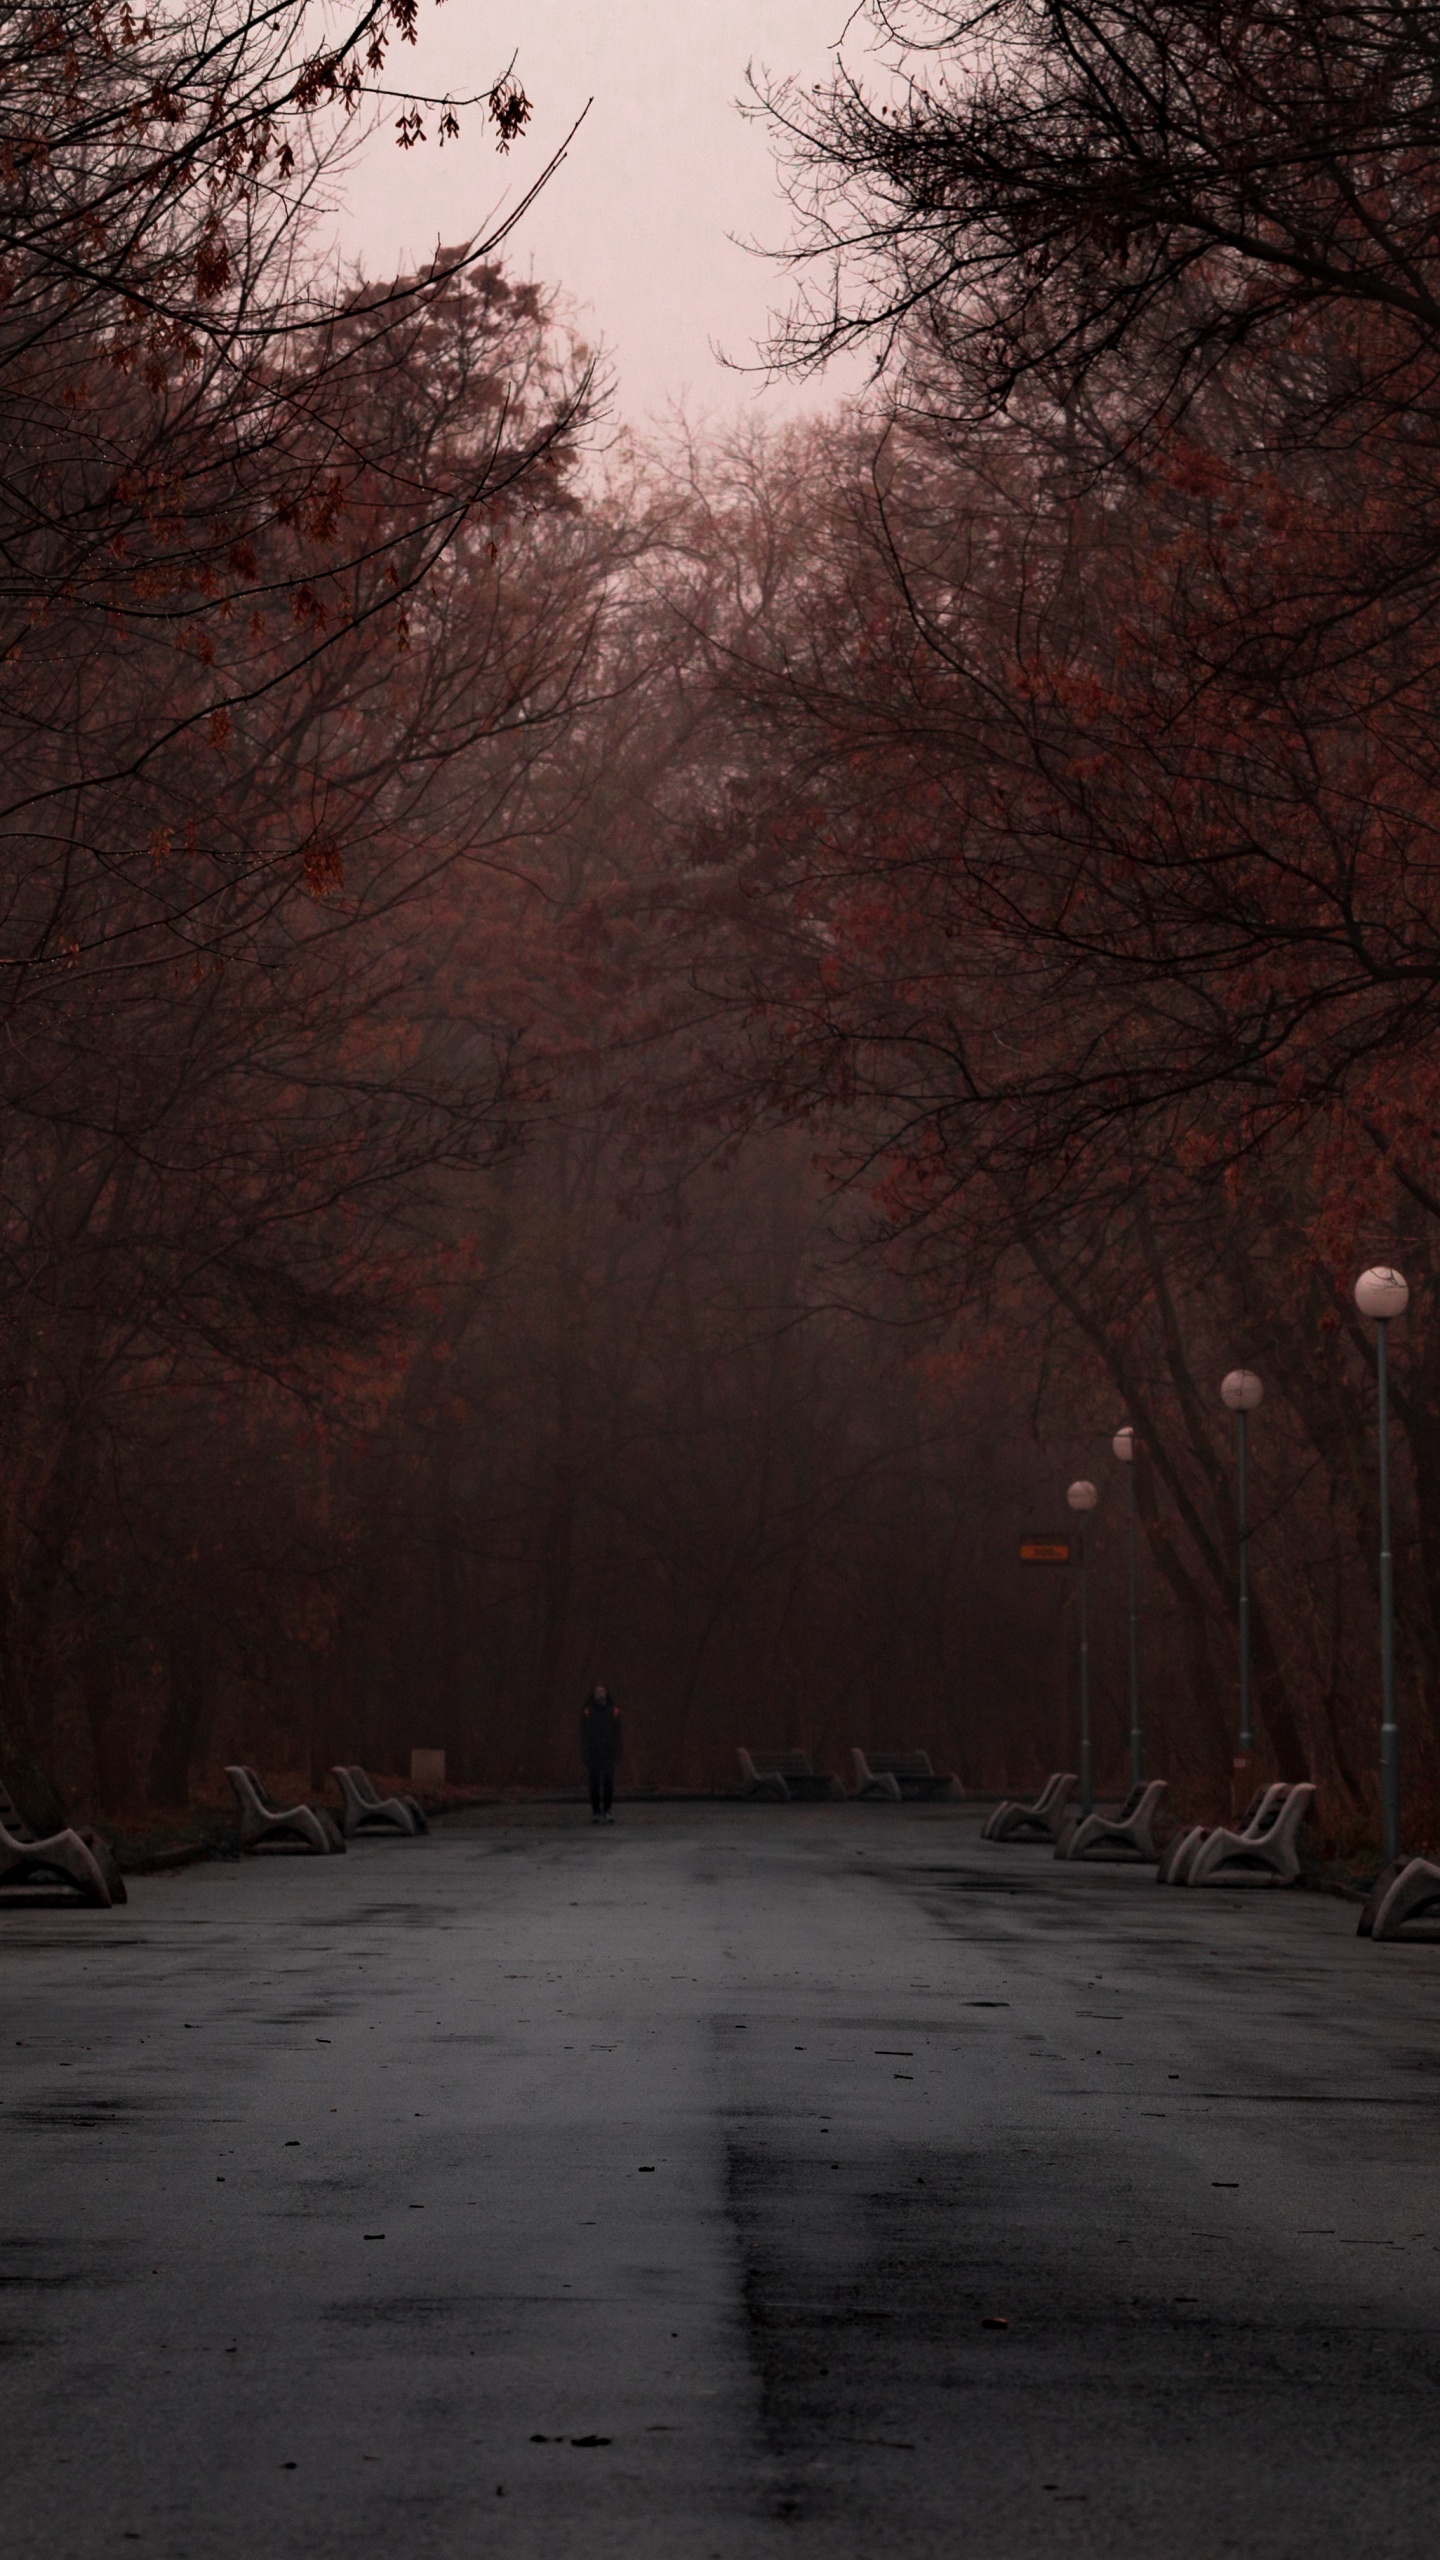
pixel 339 2199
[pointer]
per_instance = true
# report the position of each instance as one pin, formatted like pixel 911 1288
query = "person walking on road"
pixel 600 1749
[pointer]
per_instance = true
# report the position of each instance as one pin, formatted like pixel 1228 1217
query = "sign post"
pixel 1243 1393
pixel 1123 1445
pixel 1382 1293
pixel 1082 1498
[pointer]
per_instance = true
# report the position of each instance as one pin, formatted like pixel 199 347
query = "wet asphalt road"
pixel 545 2190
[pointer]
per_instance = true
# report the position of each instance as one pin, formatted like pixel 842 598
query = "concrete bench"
pixel 787 1776
pixel 1261 1812
pixel 1408 1890
pixel 73 1856
pixel 894 1774
pixel 1265 1857
pixel 266 1824
pixel 362 1809
pixel 1125 1836
pixel 1042 1820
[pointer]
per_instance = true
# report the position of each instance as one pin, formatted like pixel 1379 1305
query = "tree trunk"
pixel 187 1701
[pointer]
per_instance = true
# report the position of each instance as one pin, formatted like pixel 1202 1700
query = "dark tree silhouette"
pixel 1049 184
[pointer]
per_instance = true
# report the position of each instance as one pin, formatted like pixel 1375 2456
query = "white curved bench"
pixel 1262 1810
pixel 1127 1836
pixel 1041 1820
pixel 1412 1893
pixel 1256 1857
pixel 870 1781
pixel 786 1775
pixel 73 1857
pixel 903 1775
pixel 363 1809
pixel 263 1821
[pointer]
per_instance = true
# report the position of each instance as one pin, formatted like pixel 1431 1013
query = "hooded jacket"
pixel 600 1730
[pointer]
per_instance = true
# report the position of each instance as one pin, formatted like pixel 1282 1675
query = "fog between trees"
pixel 621 1069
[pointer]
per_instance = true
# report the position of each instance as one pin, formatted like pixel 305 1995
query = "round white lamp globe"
pixel 1241 1390
pixel 1082 1496
pixel 1381 1292
pixel 1123 1443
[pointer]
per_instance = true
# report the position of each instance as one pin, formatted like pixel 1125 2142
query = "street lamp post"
pixel 1381 1293
pixel 1123 1446
pixel 1082 1498
pixel 1242 1392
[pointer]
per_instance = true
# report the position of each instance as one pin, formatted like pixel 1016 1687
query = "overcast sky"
pixel 636 228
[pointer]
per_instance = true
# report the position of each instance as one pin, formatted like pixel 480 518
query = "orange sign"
pixel 1044 1550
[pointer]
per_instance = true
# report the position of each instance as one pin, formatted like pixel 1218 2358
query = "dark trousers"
pixel 602 1785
